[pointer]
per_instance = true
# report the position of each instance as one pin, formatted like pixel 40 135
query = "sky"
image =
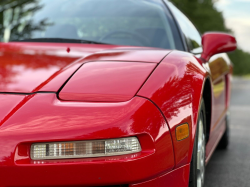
pixel 237 16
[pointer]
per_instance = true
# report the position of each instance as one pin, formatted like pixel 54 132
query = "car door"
pixel 219 67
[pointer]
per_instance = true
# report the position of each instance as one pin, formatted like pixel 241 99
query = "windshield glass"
pixel 121 22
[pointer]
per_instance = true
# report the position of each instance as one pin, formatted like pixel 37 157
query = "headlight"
pixel 83 149
pixel 106 81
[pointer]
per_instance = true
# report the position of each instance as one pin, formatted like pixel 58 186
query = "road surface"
pixel 231 168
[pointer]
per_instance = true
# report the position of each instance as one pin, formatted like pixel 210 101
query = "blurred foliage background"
pixel 207 18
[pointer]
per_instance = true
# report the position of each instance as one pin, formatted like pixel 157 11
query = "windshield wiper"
pixel 60 40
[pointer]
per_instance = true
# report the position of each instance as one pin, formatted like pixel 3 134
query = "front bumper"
pixel 43 118
pixel 177 178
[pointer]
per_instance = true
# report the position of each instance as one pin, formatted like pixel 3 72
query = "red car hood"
pixel 34 67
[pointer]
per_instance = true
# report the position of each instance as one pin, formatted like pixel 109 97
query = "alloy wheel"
pixel 201 155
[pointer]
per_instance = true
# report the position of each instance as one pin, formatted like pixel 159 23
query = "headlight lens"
pixel 83 149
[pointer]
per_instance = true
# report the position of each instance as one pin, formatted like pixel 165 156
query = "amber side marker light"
pixel 182 132
pixel 83 149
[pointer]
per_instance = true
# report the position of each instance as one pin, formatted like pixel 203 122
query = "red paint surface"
pixel 106 81
pixel 8 103
pixel 176 88
pixel 55 120
pixel 176 178
pixel 32 67
pixel 214 43
pixel 169 97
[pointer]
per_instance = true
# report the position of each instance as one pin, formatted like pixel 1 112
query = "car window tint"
pixel 193 37
pixel 121 22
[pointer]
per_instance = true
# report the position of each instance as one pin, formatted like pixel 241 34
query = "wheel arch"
pixel 207 96
pixel 176 88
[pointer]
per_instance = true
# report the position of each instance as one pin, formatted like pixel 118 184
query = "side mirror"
pixel 215 42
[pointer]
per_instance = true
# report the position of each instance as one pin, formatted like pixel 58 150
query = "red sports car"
pixel 109 93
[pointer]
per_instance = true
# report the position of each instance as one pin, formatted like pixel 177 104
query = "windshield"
pixel 120 22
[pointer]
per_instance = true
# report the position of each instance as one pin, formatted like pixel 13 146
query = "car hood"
pixel 44 67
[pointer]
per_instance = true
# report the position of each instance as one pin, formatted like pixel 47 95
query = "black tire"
pixel 223 144
pixel 194 172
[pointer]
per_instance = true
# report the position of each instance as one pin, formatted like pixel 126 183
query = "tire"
pixel 223 144
pixel 197 166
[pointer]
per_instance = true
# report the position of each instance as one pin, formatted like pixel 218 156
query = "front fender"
pixel 176 87
pixel 43 117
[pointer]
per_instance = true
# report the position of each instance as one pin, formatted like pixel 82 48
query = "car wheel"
pixel 197 167
pixel 225 138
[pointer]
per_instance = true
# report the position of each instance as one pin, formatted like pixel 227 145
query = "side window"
pixel 193 37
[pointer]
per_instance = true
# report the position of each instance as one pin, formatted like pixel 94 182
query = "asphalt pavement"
pixel 231 167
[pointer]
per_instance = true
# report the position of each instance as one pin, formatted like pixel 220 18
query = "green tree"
pixel 203 14
pixel 241 60
pixel 206 17
pixel 12 13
